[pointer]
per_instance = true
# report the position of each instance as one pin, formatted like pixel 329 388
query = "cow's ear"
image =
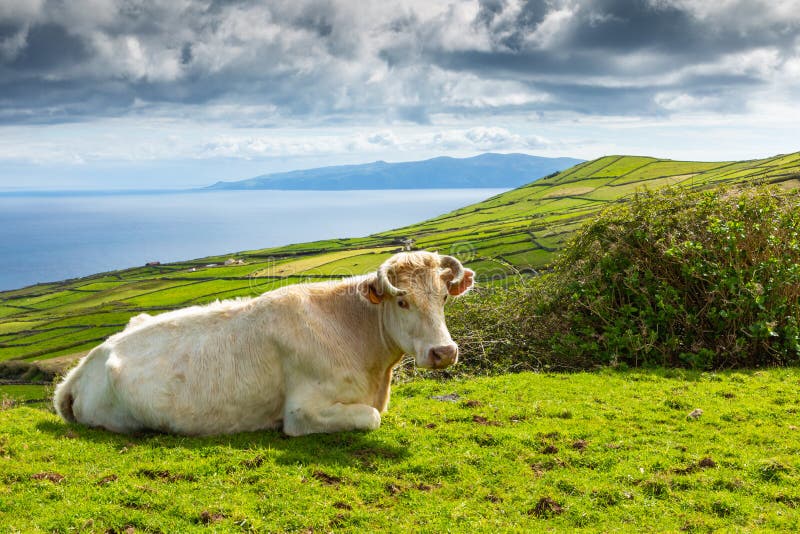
pixel 464 285
pixel 372 294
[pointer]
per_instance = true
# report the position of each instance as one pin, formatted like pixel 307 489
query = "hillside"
pixel 486 170
pixel 515 231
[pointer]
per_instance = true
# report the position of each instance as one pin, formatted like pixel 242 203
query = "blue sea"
pixel 53 236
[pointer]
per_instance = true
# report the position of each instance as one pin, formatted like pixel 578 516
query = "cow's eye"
pixel 403 304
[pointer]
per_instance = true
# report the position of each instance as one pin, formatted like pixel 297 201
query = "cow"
pixel 306 358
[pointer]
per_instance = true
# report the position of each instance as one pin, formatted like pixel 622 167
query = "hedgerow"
pixel 707 280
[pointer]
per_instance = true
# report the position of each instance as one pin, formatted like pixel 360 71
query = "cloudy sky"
pixel 173 93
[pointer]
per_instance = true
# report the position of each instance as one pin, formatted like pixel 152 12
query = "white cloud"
pixel 685 102
pixel 548 32
pixel 469 91
pixel 484 138
pixel 154 140
pixel 21 11
pixel 128 57
pixel 477 139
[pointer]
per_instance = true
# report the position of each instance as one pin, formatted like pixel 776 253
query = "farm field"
pixel 518 231
pixel 595 452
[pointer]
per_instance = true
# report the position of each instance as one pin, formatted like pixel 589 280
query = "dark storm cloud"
pixel 616 56
pixel 531 14
pixel 624 26
pixel 49 46
pixel 337 61
pixel 74 65
pixel 488 10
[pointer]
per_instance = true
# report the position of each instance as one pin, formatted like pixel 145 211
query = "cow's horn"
pixel 386 285
pixel 449 262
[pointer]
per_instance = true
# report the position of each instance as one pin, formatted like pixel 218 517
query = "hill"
pixel 519 230
pixel 486 170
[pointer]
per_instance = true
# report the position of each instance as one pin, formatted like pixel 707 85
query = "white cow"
pixel 306 358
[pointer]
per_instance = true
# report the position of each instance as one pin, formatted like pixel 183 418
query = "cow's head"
pixel 412 289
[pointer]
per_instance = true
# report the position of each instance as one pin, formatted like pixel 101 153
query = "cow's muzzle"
pixel 442 356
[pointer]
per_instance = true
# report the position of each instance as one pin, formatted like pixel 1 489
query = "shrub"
pixel 706 279
pixel 486 327
pixel 701 279
pixel 501 329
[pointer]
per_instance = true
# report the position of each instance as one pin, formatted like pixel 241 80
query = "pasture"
pixel 605 451
pixel 517 231
pixel 630 450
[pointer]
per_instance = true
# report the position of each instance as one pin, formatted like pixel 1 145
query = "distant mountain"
pixel 486 170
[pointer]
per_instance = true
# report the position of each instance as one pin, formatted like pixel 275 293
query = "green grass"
pixel 608 451
pixel 23 392
pixel 508 233
pixel 624 166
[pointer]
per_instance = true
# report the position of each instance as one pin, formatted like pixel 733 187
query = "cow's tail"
pixel 86 395
pixel 67 391
pixel 63 398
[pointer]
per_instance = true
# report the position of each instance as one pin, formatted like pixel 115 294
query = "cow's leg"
pixel 315 417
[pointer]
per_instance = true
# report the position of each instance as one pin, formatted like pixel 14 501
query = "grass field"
pixel 24 393
pixel 599 452
pixel 504 235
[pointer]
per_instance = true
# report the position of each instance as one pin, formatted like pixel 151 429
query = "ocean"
pixel 52 236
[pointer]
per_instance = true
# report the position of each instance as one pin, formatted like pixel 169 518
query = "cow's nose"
pixel 443 355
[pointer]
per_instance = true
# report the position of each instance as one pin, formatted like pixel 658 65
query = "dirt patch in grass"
pixel 166 476
pixel 707 462
pixel 451 397
pixel 546 507
pixel 254 462
pixel 107 480
pixel 703 463
pixel 580 445
pixel 208 518
pixel 55 478
pixel 481 420
pixel 393 489
pixel 789 500
pixel 325 478
pixel 538 470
